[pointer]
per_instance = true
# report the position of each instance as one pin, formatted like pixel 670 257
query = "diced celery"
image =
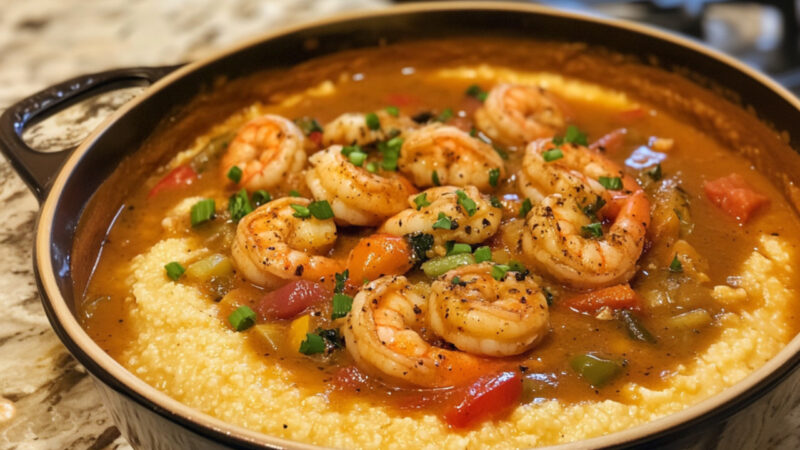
pixel 694 319
pixel 439 266
pixel 270 334
pixel 594 369
pixel 215 265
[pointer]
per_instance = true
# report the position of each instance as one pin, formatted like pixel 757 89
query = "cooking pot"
pixel 65 182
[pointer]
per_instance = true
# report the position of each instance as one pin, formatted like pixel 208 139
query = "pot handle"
pixel 37 169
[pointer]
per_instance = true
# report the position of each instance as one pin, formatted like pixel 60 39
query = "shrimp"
pixel 574 173
pixel 457 158
pixel 352 129
pixel 381 334
pixel 273 245
pixel 515 114
pixel 356 196
pixel 556 239
pixel 267 149
pixel 485 316
pixel 446 200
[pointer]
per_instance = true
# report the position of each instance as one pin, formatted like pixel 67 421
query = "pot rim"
pixel 104 367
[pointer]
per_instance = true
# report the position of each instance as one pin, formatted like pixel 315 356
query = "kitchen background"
pixel 47 400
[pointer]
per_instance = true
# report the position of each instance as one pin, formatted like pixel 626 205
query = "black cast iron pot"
pixel 64 182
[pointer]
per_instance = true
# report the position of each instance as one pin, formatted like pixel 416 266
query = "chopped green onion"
pixel 420 244
pixel 321 209
pixel 611 183
pixel 421 201
pixel 548 296
pixel 390 150
pixel 469 204
pixel 483 254
pixel 357 158
pixel 636 329
pixel 235 174
pixel 439 266
pixel 516 266
pixel 242 319
pixel 574 136
pixel 475 91
pixel 174 270
pixel 458 248
pixel 675 266
pixel 340 278
pixel 494 176
pixel 372 121
pixel 392 111
pixel 473 132
pixel 525 208
pixel 552 155
pixel 341 305
pixel 558 140
pixel 239 205
pixel 499 271
pixel 456 280
pixel 445 115
pixel 300 211
pixel 372 167
pixel 308 125
pixel 261 197
pixel 597 371
pixel 348 149
pixel 443 222
pixel 202 211
pixel 494 201
pixel 312 344
pixel 294 193
pixel 435 178
pixel 655 173
pixel 503 154
pixel 591 210
pixel 594 230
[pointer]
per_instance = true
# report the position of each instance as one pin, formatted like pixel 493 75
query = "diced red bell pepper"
pixel 292 299
pixel 620 296
pixel 180 176
pixel 611 142
pixel 349 379
pixel 316 138
pixel 735 197
pixel 486 398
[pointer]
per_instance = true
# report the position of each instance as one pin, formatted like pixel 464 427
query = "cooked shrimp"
pixel 515 114
pixel 457 158
pixel 574 173
pixel 352 129
pixel 267 149
pixel 444 200
pixel 481 315
pixel 554 239
pixel 273 245
pixel 356 196
pixel 382 335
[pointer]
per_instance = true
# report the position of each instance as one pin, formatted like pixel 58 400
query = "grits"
pixel 181 348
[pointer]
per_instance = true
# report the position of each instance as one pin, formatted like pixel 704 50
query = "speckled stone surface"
pixel 47 401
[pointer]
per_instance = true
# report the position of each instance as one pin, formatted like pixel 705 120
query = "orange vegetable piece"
pixel 620 296
pixel 377 255
pixel 734 196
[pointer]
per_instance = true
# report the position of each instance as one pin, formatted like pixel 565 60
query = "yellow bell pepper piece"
pixel 298 330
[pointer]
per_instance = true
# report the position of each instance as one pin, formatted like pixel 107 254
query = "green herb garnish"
pixel 420 244
pixel 312 344
pixel 552 155
pixel 357 158
pixel 611 183
pixel 574 136
pixel 321 209
pixel 294 193
pixel 482 254
pixel 494 176
pixel 373 123
pixel 235 174
pixel 499 271
pixel 300 211
pixel 390 150
pixel 445 115
pixel 525 208
pixel 308 125
pixel 261 197
pixel 494 201
pixel 475 91
pixel 239 205
pixel 341 305
pixel 675 266
pixel 435 178
pixel 392 111
pixel 655 173
pixel 340 279
pixel 421 201
pixel 174 270
pixel 202 211
pixel 457 248
pixel 594 230
pixel 443 222
pixel 469 204
pixel 242 319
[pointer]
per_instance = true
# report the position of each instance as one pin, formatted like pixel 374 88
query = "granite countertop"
pixel 47 401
